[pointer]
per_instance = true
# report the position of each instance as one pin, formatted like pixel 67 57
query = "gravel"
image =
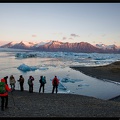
pixel 25 104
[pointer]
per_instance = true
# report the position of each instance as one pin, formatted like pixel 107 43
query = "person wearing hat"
pixel 21 80
pixel 4 96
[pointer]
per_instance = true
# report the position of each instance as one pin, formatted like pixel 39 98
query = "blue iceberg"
pixel 26 68
pixel 25 55
pixel 66 79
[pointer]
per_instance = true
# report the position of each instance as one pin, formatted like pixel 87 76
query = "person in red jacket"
pixel 4 96
pixel 55 83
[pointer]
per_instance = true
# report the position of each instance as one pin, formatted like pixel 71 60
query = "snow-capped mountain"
pixel 103 46
pixel 63 46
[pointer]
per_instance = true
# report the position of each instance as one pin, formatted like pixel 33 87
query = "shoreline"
pixel 109 72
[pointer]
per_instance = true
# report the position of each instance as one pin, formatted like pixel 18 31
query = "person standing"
pixel 55 83
pixel 12 82
pixel 4 96
pixel 21 80
pixel 30 83
pixel 42 83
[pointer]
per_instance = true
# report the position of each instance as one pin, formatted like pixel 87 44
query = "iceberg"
pixel 43 68
pixel 84 84
pixel 26 68
pixel 73 58
pixel 25 55
pixel 61 86
pixel 65 80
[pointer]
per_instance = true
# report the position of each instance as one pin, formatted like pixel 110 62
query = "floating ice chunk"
pixel 65 80
pixel 100 58
pixel 61 86
pixel 26 68
pixel 84 84
pixel 21 55
pixel 43 68
pixel 25 55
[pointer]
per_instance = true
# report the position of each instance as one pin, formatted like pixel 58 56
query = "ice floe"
pixel 75 58
pixel 67 79
pixel 25 55
pixel 25 68
pixel 84 84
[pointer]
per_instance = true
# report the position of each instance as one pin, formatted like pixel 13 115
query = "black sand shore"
pixel 25 104
pixel 110 72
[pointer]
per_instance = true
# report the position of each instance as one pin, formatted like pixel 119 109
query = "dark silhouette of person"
pixel 21 80
pixel 30 83
pixel 55 83
pixel 42 83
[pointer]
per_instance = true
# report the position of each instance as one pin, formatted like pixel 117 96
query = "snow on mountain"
pixel 43 43
pixel 28 44
pixel 103 46
pixel 52 45
pixel 8 45
pixel 17 44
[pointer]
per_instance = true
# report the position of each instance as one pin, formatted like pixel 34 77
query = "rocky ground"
pixel 25 104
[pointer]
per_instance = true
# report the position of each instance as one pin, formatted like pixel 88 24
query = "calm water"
pixel 84 85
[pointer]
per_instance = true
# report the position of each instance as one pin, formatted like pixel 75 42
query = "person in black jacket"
pixel 42 83
pixel 21 80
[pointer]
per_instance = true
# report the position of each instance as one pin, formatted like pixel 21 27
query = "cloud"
pixel 74 35
pixel 64 38
pixel 34 35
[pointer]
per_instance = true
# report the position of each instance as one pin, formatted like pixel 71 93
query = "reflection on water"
pixel 75 81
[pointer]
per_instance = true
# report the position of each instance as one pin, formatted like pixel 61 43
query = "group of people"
pixel 12 81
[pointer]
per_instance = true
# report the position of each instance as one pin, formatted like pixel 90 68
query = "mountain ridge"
pixel 55 46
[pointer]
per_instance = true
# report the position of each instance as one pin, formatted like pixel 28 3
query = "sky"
pixel 95 23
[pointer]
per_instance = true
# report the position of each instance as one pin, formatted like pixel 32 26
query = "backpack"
pixel 55 82
pixel 2 88
pixel 43 80
pixel 29 82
